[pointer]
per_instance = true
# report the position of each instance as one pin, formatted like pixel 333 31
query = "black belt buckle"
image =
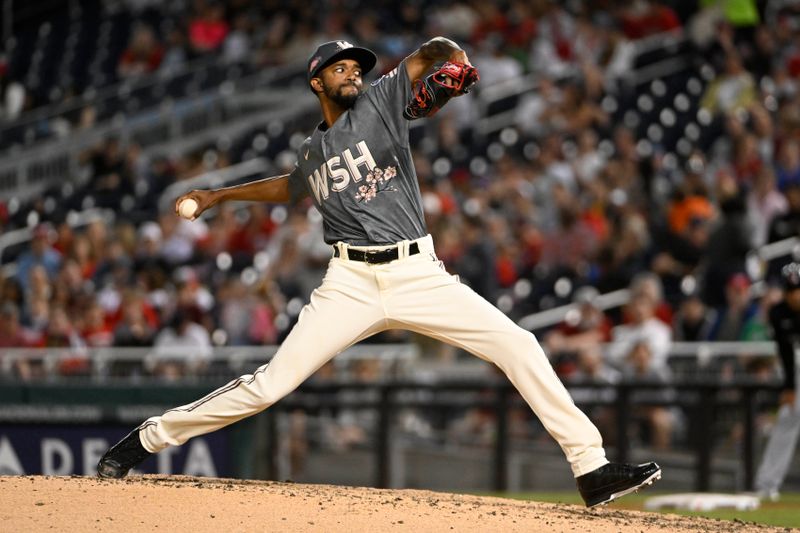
pixel 377 257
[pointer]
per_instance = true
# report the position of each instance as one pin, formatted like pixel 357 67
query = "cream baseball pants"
pixel 356 300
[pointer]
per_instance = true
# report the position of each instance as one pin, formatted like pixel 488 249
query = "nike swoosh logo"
pixel 306 154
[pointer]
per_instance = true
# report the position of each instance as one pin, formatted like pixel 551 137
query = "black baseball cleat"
pixel 123 456
pixel 613 480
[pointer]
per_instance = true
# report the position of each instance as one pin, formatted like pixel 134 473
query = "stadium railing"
pixel 441 388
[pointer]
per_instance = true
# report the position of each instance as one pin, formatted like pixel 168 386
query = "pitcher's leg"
pixel 332 321
pixel 455 314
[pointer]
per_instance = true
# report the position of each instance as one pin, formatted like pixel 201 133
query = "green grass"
pixel 784 513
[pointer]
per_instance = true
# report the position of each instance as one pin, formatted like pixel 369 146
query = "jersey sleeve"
pixel 297 187
pixel 390 94
pixel 297 183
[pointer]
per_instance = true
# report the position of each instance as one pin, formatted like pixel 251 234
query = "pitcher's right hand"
pixel 205 200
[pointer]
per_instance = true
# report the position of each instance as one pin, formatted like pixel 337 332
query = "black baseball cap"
pixel 329 52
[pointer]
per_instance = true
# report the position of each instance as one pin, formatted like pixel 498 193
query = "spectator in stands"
pixel 757 327
pixel 179 238
pixel 237 45
pixel 192 294
pixel 591 367
pixel 747 159
pixel 734 89
pixel 182 347
pixel 493 63
pixel 584 326
pixel 95 329
pixel 133 327
pixel 764 203
pixel 643 18
pixel 208 29
pixel 110 179
pixel 681 254
pixel 175 51
pixel 643 328
pixel 571 247
pixel 11 291
pixel 624 253
pixel 694 320
pixel 13 96
pixel 623 172
pixel 737 311
pixel 788 224
pixel 552 53
pixel 649 284
pixel 589 161
pixel 243 316
pixel 143 54
pixel 577 112
pixel 61 333
pixel 658 421
pixel 83 255
pixel 65 235
pixel 37 316
pixel 787 166
pixel 70 290
pixel 536 105
pixel 728 244
pixel 148 251
pixel 478 258
pixel 251 235
pixel 14 335
pixel 41 253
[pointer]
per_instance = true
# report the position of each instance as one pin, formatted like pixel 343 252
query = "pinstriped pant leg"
pixel 342 310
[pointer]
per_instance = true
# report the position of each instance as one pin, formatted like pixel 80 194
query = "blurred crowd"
pixel 563 205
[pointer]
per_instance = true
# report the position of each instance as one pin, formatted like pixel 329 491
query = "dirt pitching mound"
pixel 174 504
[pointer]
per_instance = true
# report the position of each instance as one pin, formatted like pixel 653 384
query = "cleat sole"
pixel 655 476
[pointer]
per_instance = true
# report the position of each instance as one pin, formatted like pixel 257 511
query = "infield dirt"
pixel 177 504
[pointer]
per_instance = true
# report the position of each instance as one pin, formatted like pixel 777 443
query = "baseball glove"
pixel 430 94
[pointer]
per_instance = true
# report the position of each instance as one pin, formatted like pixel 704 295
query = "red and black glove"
pixel 430 94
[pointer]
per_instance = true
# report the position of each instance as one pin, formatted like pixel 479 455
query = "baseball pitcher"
pixel 383 273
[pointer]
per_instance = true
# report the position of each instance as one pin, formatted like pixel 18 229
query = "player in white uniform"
pixel 383 274
pixel 784 318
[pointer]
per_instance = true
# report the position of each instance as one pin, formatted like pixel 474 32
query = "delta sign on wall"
pixel 62 450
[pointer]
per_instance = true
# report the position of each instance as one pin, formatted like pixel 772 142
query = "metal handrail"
pixel 555 315
pixel 237 357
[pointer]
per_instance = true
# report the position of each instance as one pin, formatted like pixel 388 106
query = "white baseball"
pixel 187 208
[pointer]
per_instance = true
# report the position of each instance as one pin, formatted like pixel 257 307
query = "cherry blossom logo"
pixel 377 180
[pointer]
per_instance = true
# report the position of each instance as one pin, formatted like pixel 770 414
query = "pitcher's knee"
pixel 266 394
pixel 521 343
pixel 519 348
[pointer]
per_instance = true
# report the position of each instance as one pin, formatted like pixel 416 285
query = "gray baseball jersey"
pixel 359 172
